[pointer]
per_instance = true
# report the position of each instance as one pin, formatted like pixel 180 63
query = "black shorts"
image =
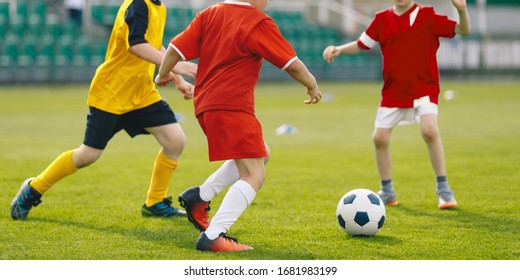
pixel 102 126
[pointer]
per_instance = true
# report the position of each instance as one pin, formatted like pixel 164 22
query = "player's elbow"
pixel 463 31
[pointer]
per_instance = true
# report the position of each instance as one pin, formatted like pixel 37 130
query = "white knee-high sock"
pixel 237 199
pixel 226 175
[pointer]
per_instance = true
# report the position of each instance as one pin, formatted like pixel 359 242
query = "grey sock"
pixel 442 182
pixel 387 186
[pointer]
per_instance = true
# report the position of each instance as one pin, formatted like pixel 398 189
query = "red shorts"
pixel 232 135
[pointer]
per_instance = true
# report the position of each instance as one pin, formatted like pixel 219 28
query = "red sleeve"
pixel 442 25
pixel 267 41
pixel 372 29
pixel 370 37
pixel 188 42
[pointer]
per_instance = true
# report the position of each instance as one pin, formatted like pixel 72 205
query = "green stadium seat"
pixel 45 56
pixel 81 52
pixel 17 26
pixel 96 12
pixel 4 14
pixel 28 52
pixel 64 51
pixel 3 28
pixel 35 25
pixel 22 10
pixel 53 27
pixel 10 48
pixel 98 52
pixel 39 9
pixel 109 15
pixel 70 28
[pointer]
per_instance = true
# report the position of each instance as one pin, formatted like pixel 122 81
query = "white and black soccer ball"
pixel 361 212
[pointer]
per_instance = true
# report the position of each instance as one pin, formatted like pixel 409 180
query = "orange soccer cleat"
pixel 196 208
pixel 223 243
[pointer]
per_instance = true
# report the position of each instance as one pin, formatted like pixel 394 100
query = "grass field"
pixel 95 214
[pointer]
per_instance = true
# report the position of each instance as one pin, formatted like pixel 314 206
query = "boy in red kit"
pixel 409 38
pixel 231 39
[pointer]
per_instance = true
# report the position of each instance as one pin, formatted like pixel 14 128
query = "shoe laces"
pixel 223 235
pixel 168 201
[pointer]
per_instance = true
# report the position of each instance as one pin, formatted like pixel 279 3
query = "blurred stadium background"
pixel 40 44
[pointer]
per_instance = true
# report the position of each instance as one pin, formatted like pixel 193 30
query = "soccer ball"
pixel 361 212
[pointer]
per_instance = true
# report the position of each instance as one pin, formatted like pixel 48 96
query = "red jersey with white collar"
pixel 230 40
pixel 409 44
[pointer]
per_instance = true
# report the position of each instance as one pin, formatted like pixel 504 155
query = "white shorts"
pixel 390 117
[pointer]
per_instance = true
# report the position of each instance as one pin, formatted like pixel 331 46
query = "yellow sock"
pixel 163 169
pixel 61 167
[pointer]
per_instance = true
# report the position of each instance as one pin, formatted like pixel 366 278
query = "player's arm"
pixel 187 89
pixel 463 26
pixel 298 71
pixel 331 52
pixel 170 59
pixel 185 68
pixel 149 53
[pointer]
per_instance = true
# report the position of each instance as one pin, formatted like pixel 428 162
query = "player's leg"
pixel 196 200
pixel 233 135
pixel 431 135
pixel 226 175
pixel 237 199
pixel 172 139
pixel 381 138
pixel 100 129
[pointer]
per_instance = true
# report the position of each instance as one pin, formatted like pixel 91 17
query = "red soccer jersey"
pixel 409 44
pixel 230 41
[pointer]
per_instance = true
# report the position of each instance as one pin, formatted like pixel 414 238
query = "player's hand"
pixel 330 52
pixel 186 89
pixel 184 68
pixel 314 96
pixel 164 80
pixel 459 4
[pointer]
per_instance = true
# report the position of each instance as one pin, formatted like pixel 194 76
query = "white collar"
pixel 237 2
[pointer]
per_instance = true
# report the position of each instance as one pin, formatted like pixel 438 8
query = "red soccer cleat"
pixel 196 208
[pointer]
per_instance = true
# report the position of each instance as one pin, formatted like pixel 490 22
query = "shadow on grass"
pixel 185 239
pixel 377 239
pixel 179 228
pixel 466 219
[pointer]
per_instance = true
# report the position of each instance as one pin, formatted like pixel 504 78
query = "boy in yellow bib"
pixel 123 95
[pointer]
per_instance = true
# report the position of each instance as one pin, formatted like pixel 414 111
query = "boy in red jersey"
pixel 409 38
pixel 123 96
pixel 231 39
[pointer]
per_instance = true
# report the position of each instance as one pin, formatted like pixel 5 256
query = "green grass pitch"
pixel 95 214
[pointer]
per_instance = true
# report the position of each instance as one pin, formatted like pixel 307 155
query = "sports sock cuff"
pixel 386 185
pixel 165 161
pixel 68 165
pixel 442 178
pixel 386 182
pixel 246 190
pixel 61 167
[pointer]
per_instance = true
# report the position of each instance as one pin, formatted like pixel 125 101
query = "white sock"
pixel 226 175
pixel 237 199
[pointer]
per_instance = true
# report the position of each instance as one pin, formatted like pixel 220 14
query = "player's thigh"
pixel 169 135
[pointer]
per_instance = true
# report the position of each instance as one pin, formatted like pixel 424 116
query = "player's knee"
pixel 429 134
pixel 380 140
pixel 175 146
pixel 84 159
